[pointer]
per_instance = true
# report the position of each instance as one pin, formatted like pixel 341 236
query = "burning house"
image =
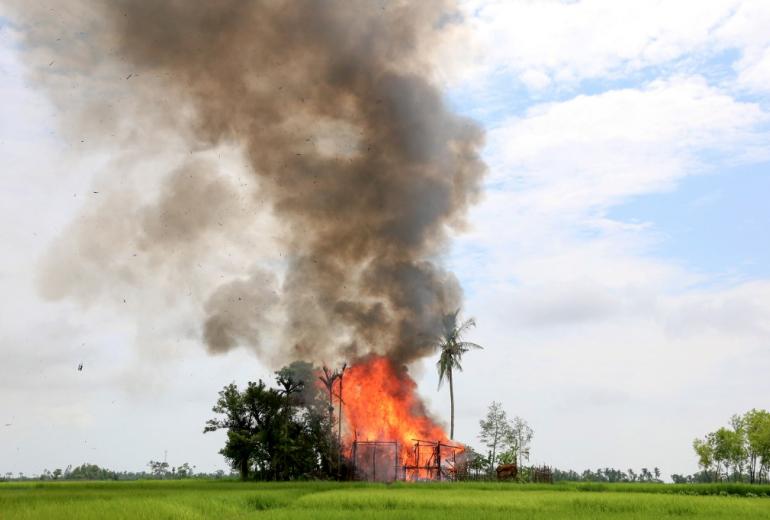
pixel 381 461
pixel 388 431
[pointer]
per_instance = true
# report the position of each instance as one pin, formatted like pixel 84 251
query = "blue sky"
pixel 617 264
pixel 713 223
pixel 716 224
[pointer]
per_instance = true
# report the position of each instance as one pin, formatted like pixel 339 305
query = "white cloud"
pixel 570 41
pixel 754 71
pixel 551 255
pixel 747 31
pixel 592 151
pixel 552 43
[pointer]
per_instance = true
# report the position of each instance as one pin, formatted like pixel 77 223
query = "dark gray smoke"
pixel 348 137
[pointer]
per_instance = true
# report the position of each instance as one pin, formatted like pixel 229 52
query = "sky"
pixel 618 265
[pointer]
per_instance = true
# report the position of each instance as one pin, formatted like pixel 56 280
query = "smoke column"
pixel 346 134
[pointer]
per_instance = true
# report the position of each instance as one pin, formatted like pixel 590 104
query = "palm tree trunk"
pixel 452 405
pixel 339 431
pixel 331 433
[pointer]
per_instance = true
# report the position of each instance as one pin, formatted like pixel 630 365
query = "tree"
pixel 328 379
pixel 704 448
pixel 519 439
pixel 679 479
pixel 495 430
pixel 237 422
pixel 728 449
pixel 288 383
pixel 271 433
pixel 90 472
pixel 304 374
pixel 57 473
pixel 739 452
pixel 757 427
pixel 453 348
pixel 158 469
pixel 185 470
pixel 270 438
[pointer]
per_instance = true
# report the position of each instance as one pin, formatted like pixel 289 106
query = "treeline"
pixel 86 471
pixel 739 452
pixel 608 475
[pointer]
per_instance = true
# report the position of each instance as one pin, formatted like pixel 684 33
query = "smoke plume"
pixel 348 142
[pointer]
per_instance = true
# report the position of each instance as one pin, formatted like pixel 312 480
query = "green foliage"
pixel 158 469
pixel 495 430
pixel 609 475
pixel 756 424
pixel 508 441
pixel 90 472
pixel 185 470
pixel 738 453
pixel 272 434
pixel 702 477
pixel 451 345
pixel 519 439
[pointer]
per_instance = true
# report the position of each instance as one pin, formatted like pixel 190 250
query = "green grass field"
pixel 476 501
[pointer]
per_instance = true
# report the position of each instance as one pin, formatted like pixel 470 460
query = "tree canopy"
pixel 738 452
pixel 272 433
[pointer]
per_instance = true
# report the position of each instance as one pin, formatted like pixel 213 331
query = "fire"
pixel 380 403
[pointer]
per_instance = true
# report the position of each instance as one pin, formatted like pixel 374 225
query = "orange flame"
pixel 380 403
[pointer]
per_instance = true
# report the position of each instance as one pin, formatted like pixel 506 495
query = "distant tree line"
pixel 701 477
pixel 739 452
pixel 608 475
pixel 88 471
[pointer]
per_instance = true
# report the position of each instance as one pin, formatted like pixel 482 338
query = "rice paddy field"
pixel 194 499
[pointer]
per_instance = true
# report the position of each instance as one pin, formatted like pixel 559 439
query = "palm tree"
pixel 452 350
pixel 328 380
